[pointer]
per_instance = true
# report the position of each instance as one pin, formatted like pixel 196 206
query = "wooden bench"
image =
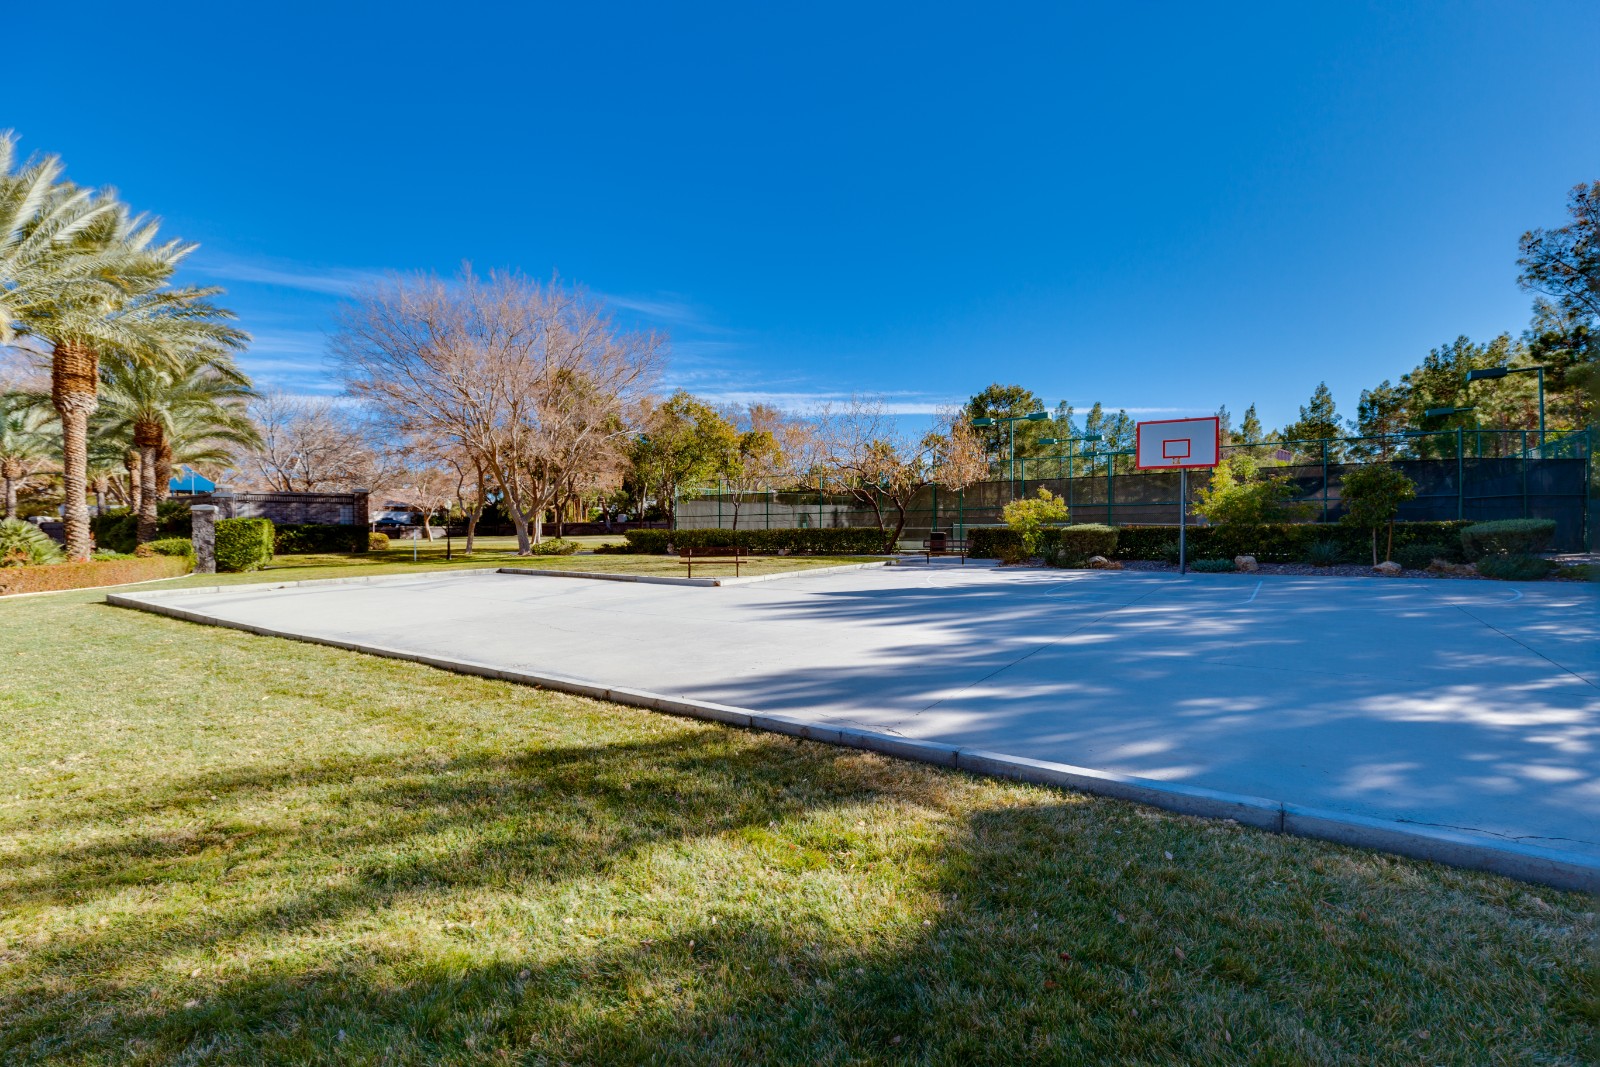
pixel 723 553
pixel 948 546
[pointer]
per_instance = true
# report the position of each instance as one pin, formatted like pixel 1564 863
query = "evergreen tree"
pixel 1319 421
pixel 1381 414
pixel 1250 430
pixel 1225 425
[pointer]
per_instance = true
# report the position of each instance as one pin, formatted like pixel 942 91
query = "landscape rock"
pixel 1247 564
pixel 1455 570
pixel 1100 563
pixel 1388 568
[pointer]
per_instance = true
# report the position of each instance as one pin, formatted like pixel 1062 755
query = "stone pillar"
pixel 361 511
pixel 204 538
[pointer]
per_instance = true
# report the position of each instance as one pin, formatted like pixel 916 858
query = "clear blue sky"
pixel 1160 206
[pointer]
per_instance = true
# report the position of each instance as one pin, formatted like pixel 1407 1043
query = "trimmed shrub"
pixel 57 576
pixel 555 546
pixel 1212 566
pixel 841 541
pixel 301 538
pixel 989 542
pixel 244 544
pixel 22 544
pixel 1071 546
pixel 1511 536
pixel 1417 557
pixel 1325 554
pixel 171 546
pixel 1515 567
pixel 1282 542
pixel 377 542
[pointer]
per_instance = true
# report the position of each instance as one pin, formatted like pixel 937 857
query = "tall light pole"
pixel 1032 416
pixel 1490 373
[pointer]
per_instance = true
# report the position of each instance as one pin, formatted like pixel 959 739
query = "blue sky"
pixel 1164 207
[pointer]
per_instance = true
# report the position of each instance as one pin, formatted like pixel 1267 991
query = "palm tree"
pixel 86 277
pixel 191 409
pixel 26 443
pixel 41 218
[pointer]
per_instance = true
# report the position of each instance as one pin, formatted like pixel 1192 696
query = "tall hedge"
pixel 822 541
pixel 244 544
pixel 1283 542
pixel 1507 536
pixel 298 538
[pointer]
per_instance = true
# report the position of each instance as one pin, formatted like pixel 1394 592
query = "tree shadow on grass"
pixel 1030 927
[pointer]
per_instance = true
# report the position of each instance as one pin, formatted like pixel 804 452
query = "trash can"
pixel 937 540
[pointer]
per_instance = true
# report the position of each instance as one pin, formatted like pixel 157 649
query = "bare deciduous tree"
pixel 532 380
pixel 309 444
pixel 866 456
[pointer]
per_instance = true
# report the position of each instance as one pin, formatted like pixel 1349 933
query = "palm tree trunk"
pixel 163 468
pixel 11 497
pixel 74 380
pixel 130 463
pixel 147 497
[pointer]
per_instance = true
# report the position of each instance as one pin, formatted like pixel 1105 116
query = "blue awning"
pixel 190 482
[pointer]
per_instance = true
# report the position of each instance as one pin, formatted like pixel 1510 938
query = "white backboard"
pixel 1173 444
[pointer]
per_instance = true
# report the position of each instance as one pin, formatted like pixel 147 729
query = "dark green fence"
pixel 1484 475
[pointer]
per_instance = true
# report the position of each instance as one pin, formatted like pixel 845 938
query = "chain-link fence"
pixel 1486 475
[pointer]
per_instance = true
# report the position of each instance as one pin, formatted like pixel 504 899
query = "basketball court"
pixel 1465 705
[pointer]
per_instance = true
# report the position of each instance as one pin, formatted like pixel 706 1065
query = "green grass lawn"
pixel 219 848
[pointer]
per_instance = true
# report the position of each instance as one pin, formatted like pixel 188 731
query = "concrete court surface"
pixel 1468 705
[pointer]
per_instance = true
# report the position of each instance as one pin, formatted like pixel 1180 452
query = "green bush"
pixel 172 546
pixel 115 531
pixel 23 544
pixel 118 530
pixel 1240 495
pixel 554 546
pixel 377 542
pixel 1212 566
pixel 1417 557
pixel 244 544
pixel 1071 546
pixel 1324 554
pixel 1515 567
pixel 292 539
pixel 989 542
pixel 1275 542
pixel 831 541
pixel 1519 536
pixel 1029 518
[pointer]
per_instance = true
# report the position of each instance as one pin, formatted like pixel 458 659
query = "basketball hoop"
pixel 1181 445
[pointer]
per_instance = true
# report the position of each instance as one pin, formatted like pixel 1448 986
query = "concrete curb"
pixel 1528 863
pixel 452 572
pixel 668 579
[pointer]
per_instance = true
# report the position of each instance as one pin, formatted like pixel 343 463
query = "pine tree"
pixel 1250 431
pixel 1319 421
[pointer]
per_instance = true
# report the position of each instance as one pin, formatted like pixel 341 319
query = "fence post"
pixel 1525 473
pixel 933 523
pixel 1461 475
pixel 819 501
pixel 769 507
pixel 961 513
pixel 1324 479
pixel 1109 490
